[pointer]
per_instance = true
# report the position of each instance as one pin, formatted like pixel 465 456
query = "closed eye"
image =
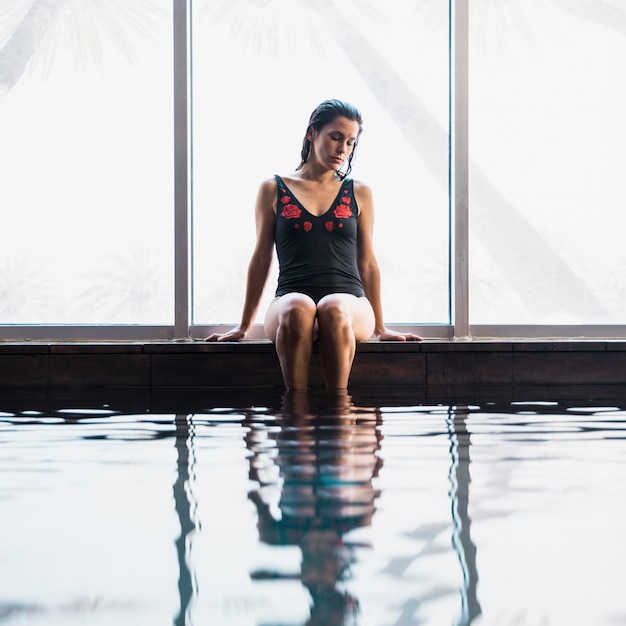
pixel 340 137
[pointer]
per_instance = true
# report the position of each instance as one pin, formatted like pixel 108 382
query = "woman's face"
pixel 334 142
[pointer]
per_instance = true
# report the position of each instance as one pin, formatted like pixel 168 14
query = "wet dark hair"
pixel 325 113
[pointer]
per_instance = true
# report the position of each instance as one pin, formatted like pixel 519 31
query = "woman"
pixel 329 282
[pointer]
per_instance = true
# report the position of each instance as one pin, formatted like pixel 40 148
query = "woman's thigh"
pixel 283 305
pixel 358 309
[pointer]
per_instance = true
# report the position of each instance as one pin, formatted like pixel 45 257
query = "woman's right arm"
pixel 260 262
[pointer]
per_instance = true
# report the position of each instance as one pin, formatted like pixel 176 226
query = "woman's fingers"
pixel 394 336
pixel 230 336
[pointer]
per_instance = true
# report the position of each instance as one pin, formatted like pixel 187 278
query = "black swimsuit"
pixel 317 254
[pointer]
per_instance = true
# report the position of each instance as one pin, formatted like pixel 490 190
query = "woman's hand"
pixel 236 334
pixel 392 335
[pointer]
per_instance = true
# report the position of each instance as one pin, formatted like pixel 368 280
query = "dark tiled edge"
pixel 389 369
pixel 204 369
pixel 254 363
pixel 171 400
pixel 100 370
pixel 582 362
pixel 389 347
pixel 24 370
pixel 96 348
pixel 24 348
pixel 188 347
pixel 469 368
pixel 466 346
pixel 579 368
pixel 560 346
pixel 46 399
pixel 617 346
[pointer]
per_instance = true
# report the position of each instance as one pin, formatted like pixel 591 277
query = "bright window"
pixel 260 68
pixel 86 163
pixel 547 136
pixel 100 238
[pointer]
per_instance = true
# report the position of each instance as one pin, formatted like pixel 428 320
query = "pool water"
pixel 311 509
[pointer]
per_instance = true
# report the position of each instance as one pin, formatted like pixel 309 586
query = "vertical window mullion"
pixel 181 169
pixel 460 165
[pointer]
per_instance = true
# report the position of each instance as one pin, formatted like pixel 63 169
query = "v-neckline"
pixel 332 204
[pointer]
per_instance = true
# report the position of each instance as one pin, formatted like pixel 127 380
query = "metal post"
pixel 181 170
pixel 460 166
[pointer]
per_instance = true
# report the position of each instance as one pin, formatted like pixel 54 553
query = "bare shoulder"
pixel 266 194
pixel 268 186
pixel 363 196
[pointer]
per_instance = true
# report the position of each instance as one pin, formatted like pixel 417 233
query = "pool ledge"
pixel 253 364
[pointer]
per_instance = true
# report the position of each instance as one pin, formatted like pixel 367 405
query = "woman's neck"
pixel 316 174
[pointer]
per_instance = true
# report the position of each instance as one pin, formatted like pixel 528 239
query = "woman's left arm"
pixel 368 265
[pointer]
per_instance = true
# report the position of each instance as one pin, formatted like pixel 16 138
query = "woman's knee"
pixel 297 315
pixel 332 311
pixel 345 313
pixel 293 314
pixel 335 319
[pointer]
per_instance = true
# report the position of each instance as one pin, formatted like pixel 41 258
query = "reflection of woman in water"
pixel 327 458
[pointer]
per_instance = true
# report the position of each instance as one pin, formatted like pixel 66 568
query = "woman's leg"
pixel 342 321
pixel 289 323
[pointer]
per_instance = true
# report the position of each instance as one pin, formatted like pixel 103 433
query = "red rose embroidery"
pixel 329 226
pixel 340 224
pixel 308 226
pixel 285 199
pixel 291 211
pixel 342 211
pixel 345 200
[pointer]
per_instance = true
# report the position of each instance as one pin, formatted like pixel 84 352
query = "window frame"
pixel 459 293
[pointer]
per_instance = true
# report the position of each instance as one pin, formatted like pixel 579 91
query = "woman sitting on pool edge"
pixel 329 281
